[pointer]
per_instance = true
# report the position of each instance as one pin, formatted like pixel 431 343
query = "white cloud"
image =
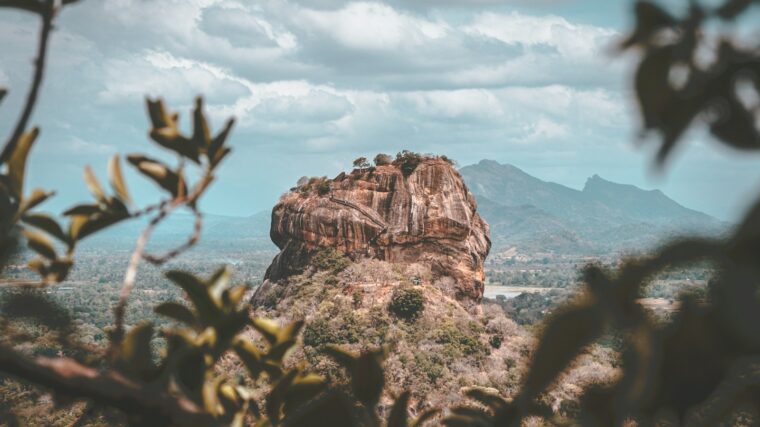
pixel 570 40
pixel 373 26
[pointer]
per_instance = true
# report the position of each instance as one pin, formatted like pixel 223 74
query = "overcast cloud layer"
pixel 317 83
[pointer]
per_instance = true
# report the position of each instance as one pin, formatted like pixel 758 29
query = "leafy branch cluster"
pixel 699 367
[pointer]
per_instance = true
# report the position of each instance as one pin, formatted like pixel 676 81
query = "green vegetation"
pixel 330 259
pixel 407 303
pixel 408 161
pixel 383 159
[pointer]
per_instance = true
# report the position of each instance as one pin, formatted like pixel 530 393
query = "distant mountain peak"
pixel 603 214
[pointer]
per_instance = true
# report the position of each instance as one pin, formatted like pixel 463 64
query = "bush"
pixel 330 259
pixel 383 159
pixel 361 163
pixel 408 161
pixel 323 187
pixel 318 333
pixel 496 341
pixel 407 304
pixel 458 341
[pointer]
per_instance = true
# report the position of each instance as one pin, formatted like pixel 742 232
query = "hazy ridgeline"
pixel 371 358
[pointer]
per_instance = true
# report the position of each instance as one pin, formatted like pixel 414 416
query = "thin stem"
pixel 48 14
pixel 130 276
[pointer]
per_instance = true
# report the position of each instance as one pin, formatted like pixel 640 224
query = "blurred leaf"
pixel 136 353
pixel 232 297
pixel 167 179
pixel 469 416
pixel 40 244
pixel 190 373
pixel 117 179
pixel 217 151
pixel 166 133
pixel 83 226
pixel 343 357
pixel 198 292
pixel 650 19
pixel 565 334
pixel 398 416
pixel 489 400
pixel 178 312
pixel 211 396
pixel 332 409
pixel 93 185
pixel 250 355
pixel 367 378
pixel 303 388
pixel 269 329
pixel 82 210
pixel 201 134
pixel 425 417
pixel 46 223
pixel 33 200
pixel 277 395
pixel 17 162
pixel 733 8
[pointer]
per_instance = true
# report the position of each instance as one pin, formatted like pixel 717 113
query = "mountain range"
pixel 532 215
pixel 525 214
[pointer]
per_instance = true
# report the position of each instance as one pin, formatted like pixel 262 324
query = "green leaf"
pixel 117 179
pixel 177 311
pixel 198 293
pixel 93 185
pixel 40 244
pixel 17 162
pixel 47 224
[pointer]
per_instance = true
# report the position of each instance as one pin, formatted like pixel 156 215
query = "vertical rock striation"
pixel 424 216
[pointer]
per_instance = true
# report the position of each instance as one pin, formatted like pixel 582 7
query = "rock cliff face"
pixel 392 213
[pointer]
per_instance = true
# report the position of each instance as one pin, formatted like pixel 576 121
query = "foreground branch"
pixel 47 12
pixel 68 377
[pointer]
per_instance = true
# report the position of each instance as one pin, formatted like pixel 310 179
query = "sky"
pixel 314 84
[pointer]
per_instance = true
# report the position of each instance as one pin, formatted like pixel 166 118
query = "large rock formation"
pixel 405 212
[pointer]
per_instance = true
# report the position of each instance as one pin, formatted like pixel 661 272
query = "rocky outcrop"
pixel 400 213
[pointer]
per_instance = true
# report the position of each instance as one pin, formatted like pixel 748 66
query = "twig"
pixel 47 13
pixel 131 274
pixel 191 241
pixel 66 376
